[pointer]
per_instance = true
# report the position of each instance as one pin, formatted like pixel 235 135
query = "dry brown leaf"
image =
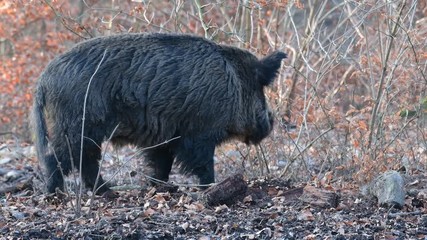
pixel 221 208
pixel 185 226
pixel 306 215
pixel 310 237
pixel 148 212
pixel 248 199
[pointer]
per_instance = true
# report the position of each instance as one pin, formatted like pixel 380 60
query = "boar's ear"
pixel 269 67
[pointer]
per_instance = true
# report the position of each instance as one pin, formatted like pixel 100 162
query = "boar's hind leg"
pixel 196 157
pixel 90 166
pixel 159 160
pixel 57 165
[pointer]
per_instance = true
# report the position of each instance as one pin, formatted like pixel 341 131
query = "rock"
pixel 19 215
pixel 13 175
pixel 5 160
pixel 389 189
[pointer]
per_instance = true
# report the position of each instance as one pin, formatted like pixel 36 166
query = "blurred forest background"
pixel 354 84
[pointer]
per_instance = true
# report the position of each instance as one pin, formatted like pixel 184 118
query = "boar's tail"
pixel 39 124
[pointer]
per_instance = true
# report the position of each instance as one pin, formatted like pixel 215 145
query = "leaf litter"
pixel 270 209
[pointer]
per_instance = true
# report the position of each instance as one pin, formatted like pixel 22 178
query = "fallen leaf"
pixel 306 215
pixel 185 226
pixel 221 208
pixel 148 212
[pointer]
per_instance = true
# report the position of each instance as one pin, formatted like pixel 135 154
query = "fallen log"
pixel 226 192
pixel 320 197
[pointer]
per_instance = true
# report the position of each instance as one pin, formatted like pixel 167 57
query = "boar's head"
pixel 258 116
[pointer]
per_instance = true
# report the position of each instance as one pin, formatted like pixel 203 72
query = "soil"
pixel 270 209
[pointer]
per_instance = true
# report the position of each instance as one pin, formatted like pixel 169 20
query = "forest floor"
pixel 270 209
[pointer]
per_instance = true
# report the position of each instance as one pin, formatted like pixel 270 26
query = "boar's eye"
pixel 268 67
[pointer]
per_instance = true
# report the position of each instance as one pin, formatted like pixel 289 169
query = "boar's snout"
pixel 264 125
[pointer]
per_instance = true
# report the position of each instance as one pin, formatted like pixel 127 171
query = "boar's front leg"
pixel 196 156
pixel 159 161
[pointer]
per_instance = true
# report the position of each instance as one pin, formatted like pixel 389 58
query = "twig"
pixel 95 189
pixel 200 12
pixel 404 214
pixel 82 134
pixel 261 156
pixel 136 153
pixel 157 145
pixel 177 184
pixel 398 133
pixel 66 25
pixel 383 75
pixel 417 61
pixel 303 150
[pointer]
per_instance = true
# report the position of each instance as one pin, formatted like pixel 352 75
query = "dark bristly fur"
pixel 154 87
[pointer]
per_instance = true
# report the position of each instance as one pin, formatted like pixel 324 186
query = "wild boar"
pixel 145 89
